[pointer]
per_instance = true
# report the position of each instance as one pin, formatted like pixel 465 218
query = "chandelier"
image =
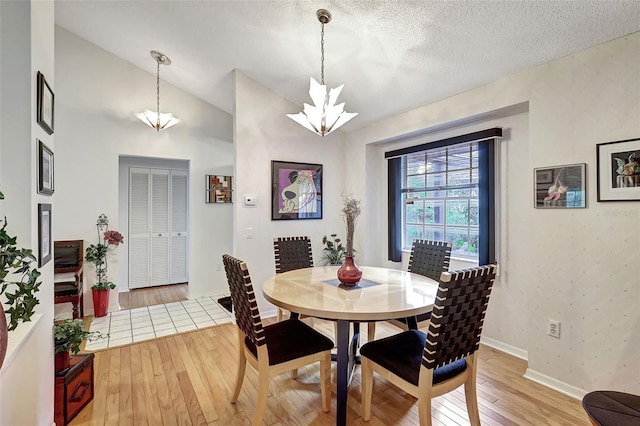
pixel 156 119
pixel 324 116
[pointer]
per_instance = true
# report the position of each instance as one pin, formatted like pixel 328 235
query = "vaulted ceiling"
pixel 392 56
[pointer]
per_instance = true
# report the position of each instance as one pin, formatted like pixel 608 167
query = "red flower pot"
pixel 349 273
pixel 62 361
pixel 100 302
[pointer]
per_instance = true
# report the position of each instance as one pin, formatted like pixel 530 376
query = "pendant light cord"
pixel 322 54
pixel 158 96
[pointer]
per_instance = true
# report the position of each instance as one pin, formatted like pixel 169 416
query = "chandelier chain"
pixel 322 54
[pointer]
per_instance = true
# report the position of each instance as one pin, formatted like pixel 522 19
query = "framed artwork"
pixel 219 189
pixel 45 169
pixel 560 187
pixel 618 172
pixel 44 234
pixel 45 104
pixel 296 190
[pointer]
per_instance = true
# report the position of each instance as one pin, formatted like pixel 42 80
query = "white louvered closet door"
pixel 139 228
pixel 179 227
pixel 159 227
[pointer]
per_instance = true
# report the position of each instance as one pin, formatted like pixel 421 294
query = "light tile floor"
pixel 135 325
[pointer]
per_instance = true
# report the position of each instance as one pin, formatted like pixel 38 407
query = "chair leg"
pixel 425 386
pixel 472 402
pixel 242 364
pixel 470 391
pixel 371 331
pixel 279 317
pixel 424 410
pixel 263 393
pixel 294 374
pixel 325 382
pixel 366 373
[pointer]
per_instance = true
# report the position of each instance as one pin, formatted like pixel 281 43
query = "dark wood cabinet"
pixel 73 389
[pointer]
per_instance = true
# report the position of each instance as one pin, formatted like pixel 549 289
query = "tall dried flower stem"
pixel 351 210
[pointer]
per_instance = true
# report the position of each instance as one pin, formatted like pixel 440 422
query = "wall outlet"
pixel 553 328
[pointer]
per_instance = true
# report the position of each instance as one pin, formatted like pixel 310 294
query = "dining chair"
pixel 429 259
pixel 426 365
pixel 291 253
pixel 275 348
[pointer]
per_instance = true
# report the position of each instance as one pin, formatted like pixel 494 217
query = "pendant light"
pixel 156 119
pixel 324 116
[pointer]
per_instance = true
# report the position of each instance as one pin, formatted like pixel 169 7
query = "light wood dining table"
pixel 382 294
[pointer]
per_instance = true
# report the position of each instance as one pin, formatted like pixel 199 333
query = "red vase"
pixel 62 361
pixel 4 335
pixel 349 273
pixel 100 302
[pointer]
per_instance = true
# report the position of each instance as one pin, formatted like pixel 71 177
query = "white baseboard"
pixel 506 348
pixel 555 384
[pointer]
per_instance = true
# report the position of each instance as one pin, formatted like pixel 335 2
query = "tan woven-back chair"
pixel 291 253
pixel 427 365
pixel 272 349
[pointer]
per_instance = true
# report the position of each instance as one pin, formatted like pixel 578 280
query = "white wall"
pixel 575 266
pixel 26 37
pixel 96 98
pixel 263 133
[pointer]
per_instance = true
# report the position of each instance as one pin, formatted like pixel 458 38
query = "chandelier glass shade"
pixel 156 119
pixel 324 116
pixel 160 121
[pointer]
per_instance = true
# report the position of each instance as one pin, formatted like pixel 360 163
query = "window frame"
pixel 487 191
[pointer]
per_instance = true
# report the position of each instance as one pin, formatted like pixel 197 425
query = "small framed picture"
pixel 296 190
pixel 45 169
pixel 219 189
pixel 45 104
pixel 44 234
pixel 560 187
pixel 618 173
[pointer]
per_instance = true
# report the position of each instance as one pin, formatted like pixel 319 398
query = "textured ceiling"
pixel 392 56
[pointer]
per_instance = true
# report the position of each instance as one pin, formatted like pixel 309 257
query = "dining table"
pixel 381 294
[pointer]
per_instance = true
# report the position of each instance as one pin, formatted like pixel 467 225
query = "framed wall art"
pixel 618 170
pixel 44 234
pixel 45 169
pixel 560 187
pixel 219 189
pixel 296 190
pixel 45 104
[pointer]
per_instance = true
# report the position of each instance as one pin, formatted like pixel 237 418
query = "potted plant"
pixel 16 272
pixel 349 273
pixel 97 255
pixel 68 335
pixel 334 250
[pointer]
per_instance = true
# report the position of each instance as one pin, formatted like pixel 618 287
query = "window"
pixel 440 198
pixel 444 190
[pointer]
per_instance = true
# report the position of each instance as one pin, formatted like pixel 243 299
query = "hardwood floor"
pixel 153 296
pixel 187 379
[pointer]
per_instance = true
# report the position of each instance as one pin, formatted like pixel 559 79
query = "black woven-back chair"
pixel 275 348
pixel 427 365
pixel 291 253
pixel 430 259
